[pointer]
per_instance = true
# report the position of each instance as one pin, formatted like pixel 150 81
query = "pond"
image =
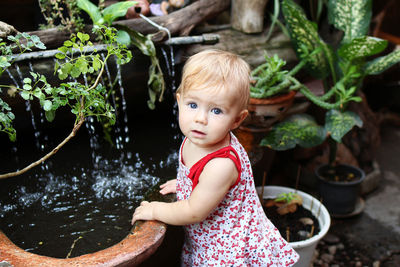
pixel 82 199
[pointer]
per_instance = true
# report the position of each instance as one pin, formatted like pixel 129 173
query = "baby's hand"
pixel 143 212
pixel 168 187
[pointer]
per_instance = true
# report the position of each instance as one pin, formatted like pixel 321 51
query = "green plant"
pixel 83 100
pixel 156 83
pixel 60 12
pixel 108 15
pixel 269 79
pixel 342 68
pixel 286 197
pixel 21 43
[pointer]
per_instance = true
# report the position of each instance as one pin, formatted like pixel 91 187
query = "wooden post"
pixel 248 15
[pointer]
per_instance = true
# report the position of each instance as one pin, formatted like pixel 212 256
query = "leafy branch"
pixel 21 43
pixel 125 35
pixel 83 100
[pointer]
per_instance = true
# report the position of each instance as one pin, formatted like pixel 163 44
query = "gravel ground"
pixel 333 251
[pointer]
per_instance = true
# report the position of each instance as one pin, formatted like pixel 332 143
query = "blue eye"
pixel 193 105
pixel 216 111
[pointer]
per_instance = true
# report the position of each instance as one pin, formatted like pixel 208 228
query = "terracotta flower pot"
pixel 142 7
pixel 264 112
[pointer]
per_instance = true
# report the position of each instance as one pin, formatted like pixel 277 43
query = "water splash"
pixel 91 201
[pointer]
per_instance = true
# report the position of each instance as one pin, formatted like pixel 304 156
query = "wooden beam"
pixel 179 23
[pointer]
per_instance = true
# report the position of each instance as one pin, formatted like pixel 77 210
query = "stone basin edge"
pixel 138 245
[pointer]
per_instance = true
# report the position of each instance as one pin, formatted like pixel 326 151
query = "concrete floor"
pixel 375 233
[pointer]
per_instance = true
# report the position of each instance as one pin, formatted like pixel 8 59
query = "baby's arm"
pixel 214 182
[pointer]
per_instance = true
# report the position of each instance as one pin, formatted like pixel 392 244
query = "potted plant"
pixel 342 71
pixel 288 200
pixel 272 92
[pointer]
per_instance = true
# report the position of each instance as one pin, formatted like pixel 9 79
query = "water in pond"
pixel 82 200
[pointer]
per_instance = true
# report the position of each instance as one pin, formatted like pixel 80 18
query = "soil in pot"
pixel 294 226
pixel 339 175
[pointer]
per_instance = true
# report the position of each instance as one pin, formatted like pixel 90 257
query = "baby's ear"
pixel 240 118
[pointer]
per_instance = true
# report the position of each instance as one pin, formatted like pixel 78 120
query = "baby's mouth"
pixel 196 132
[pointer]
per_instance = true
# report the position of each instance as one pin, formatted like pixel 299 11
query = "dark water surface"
pixel 82 200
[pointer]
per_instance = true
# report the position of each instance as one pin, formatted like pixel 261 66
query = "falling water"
pixel 79 197
pixel 28 107
pixel 43 135
pixel 170 67
pixel 125 138
pixel 110 85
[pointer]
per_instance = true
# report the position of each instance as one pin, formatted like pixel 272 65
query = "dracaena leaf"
pixel 298 129
pixel 339 123
pixel 351 16
pixel 305 37
pixel 362 47
pixel 381 64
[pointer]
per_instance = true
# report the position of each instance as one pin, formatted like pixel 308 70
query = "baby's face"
pixel 207 116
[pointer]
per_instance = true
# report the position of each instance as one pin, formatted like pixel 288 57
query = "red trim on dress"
pixel 224 152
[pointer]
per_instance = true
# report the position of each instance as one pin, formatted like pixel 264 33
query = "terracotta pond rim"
pixel 140 244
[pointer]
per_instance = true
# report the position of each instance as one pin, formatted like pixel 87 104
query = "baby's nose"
pixel 201 117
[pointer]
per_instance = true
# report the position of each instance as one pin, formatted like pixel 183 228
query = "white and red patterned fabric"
pixel 237 232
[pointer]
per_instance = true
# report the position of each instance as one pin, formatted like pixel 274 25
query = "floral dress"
pixel 237 232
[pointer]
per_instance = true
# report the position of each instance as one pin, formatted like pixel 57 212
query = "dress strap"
pixel 224 152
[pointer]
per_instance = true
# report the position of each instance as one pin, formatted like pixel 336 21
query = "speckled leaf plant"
pixel 342 72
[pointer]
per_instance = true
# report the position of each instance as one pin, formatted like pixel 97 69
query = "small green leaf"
pixel 82 65
pixel 4 62
pixel 60 56
pixel 63 49
pixel 27 80
pixel 75 72
pixel 25 95
pixel 38 93
pixel 96 63
pixel 47 105
pixel 116 10
pixel 34 75
pixel 123 37
pixel 68 43
pixel 92 10
pixel 27 86
pixel 50 115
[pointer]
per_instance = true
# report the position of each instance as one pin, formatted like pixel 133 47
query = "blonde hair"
pixel 217 69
